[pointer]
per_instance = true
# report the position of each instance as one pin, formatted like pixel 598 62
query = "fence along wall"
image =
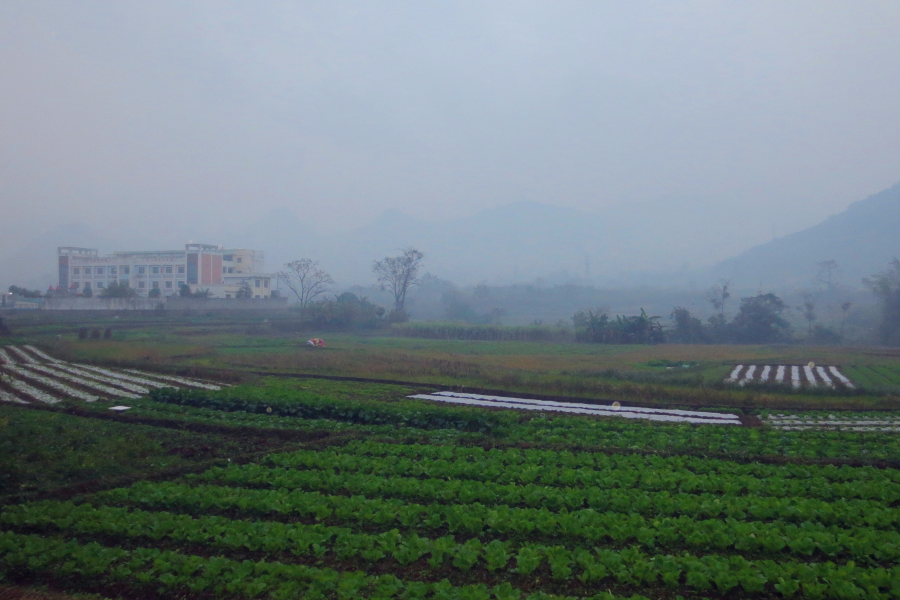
pixel 172 303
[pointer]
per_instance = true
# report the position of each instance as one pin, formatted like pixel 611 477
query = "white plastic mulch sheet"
pixel 181 380
pixel 29 372
pixel 797 376
pixel 651 414
pixel 7 397
pixel 106 389
pixel 848 421
pixel 22 355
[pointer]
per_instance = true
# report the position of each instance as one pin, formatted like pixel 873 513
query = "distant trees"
pixel 154 293
pixel 185 292
pixel 118 290
pixel 306 280
pixel 596 326
pixel 886 287
pixel 346 311
pixel 397 274
pixel 456 308
pixel 760 320
pixel 688 329
pixel 25 293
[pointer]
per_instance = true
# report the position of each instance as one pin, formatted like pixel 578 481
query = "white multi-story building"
pixel 224 272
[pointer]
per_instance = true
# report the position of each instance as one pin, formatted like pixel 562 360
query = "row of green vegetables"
pixel 310 405
pixel 847 513
pixel 600 566
pixel 596 460
pixel 174 572
pixel 578 527
pixel 727 441
pixel 539 428
pixel 639 477
pixel 149 408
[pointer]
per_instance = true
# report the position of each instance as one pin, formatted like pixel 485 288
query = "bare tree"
pixel 717 295
pixel 398 273
pixel 306 280
pixel 808 309
pixel 828 274
pixel 845 308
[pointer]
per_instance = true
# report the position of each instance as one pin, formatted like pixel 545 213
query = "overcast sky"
pixel 138 118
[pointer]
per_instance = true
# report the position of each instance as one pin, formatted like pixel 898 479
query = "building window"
pixel 99 270
pixel 228 295
pixel 87 270
pixel 76 271
pixel 141 285
pixel 154 270
pixel 126 270
pixel 155 285
pixel 231 269
pixel 113 271
pixel 239 259
pixel 168 285
pixel 228 257
pixel 99 284
pixel 265 283
pixel 180 284
pixel 168 269
pixel 142 270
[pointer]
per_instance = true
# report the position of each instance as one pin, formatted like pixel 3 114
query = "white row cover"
pixel 543 405
pixel 31 364
pixel 667 411
pixel 813 376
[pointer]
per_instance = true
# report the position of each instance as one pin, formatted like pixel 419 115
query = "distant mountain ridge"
pixel 862 239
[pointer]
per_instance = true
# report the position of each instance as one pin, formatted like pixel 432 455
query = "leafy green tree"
pixel 760 320
pixel 154 293
pixel 886 287
pixel 87 292
pixel 688 328
pixel 244 292
pixel 346 311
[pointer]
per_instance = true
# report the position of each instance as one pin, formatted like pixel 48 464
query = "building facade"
pixel 224 272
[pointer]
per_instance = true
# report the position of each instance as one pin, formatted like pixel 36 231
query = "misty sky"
pixel 157 121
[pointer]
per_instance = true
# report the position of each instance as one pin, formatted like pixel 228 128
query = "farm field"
pixel 651 375
pixel 223 477
pixel 390 497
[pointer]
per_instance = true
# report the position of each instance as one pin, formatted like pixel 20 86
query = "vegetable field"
pixel 394 520
pixel 288 488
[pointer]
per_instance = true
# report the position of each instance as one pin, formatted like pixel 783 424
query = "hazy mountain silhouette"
pixel 862 240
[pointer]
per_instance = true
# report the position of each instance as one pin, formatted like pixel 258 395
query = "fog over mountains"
pixel 862 239
pixel 661 244
pixel 527 240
